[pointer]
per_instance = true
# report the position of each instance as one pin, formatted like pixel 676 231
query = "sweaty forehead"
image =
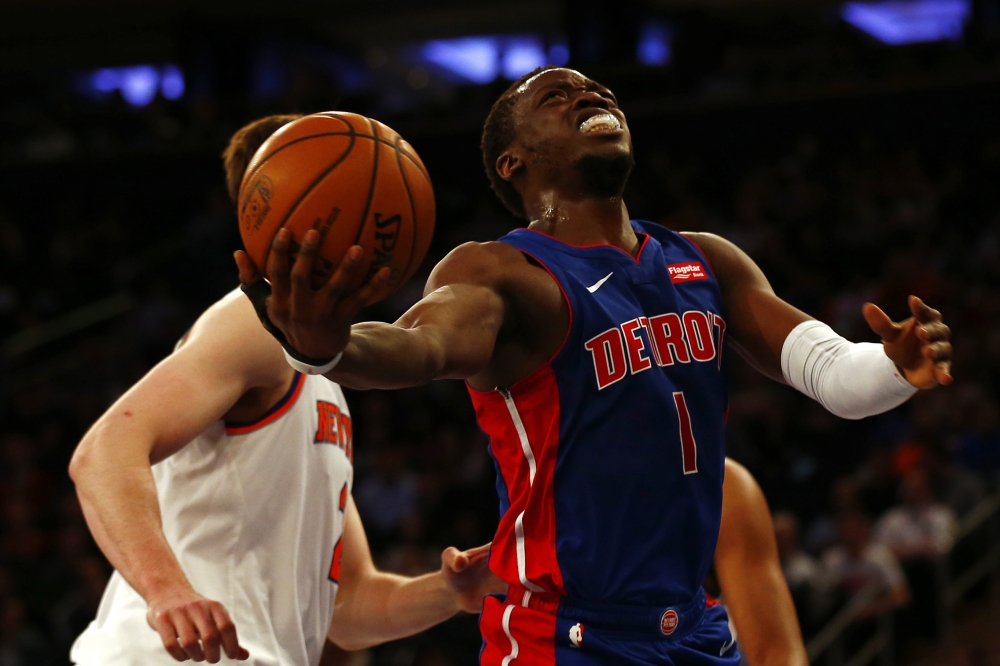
pixel 549 76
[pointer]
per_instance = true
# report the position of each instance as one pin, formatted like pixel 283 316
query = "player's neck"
pixel 584 221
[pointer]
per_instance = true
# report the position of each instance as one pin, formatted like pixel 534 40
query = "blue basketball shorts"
pixel 535 629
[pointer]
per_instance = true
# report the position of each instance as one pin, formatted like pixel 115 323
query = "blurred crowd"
pixel 832 223
pixel 878 503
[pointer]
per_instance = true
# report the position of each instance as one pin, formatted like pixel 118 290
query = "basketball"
pixel 354 180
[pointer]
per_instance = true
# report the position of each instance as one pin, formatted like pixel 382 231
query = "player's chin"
pixel 608 149
pixel 607 143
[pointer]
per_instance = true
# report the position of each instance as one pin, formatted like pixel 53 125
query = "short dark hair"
pixel 498 133
pixel 245 143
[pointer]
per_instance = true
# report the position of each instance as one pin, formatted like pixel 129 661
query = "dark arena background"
pixel 852 149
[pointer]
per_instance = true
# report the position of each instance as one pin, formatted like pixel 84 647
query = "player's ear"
pixel 508 164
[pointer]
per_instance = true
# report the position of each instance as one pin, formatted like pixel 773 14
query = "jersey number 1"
pixel 338 550
pixel 689 448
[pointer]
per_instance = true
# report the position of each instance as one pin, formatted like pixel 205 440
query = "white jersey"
pixel 255 514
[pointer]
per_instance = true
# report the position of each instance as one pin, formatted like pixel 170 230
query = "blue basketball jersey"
pixel 610 456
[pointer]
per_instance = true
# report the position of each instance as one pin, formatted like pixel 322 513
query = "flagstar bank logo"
pixel 686 272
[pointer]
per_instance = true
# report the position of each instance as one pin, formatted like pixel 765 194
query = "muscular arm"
pixel 750 576
pixel 450 333
pixel 225 355
pixel 852 380
pixel 758 322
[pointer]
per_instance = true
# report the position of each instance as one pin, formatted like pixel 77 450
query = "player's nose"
pixel 588 98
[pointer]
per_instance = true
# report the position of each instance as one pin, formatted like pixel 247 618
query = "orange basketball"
pixel 352 179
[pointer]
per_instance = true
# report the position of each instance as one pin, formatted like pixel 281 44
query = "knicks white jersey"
pixel 255 514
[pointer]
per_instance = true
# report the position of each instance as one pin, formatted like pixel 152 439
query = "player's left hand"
pixel 468 575
pixel 919 346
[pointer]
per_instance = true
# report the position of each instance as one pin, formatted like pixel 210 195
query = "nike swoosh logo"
pixel 726 646
pixel 597 285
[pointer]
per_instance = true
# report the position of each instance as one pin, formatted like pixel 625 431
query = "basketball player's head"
pixel 555 127
pixel 245 143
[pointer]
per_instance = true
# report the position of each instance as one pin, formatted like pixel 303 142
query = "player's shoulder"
pixel 730 264
pixel 713 245
pixel 490 254
pixel 487 264
pixel 229 334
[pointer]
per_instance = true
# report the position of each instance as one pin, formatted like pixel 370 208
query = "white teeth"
pixel 603 121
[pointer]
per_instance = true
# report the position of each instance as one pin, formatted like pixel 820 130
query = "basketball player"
pixel 219 487
pixel 749 575
pixel 592 348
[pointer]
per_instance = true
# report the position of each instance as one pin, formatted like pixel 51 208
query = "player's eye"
pixel 552 94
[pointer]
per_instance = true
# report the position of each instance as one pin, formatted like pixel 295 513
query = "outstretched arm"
pixel 750 576
pixel 173 403
pixel 851 380
pixel 373 607
pixel 450 333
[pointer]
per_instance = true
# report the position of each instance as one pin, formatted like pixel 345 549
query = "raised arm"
pixel 750 576
pixel 373 607
pixel 851 380
pixel 225 355
pixel 450 333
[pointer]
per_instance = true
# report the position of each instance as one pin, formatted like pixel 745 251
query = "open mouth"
pixel 603 122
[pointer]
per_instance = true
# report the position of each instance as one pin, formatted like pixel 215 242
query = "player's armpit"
pixel 750 576
pixel 757 320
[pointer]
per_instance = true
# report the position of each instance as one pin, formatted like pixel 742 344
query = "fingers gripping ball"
pixel 352 179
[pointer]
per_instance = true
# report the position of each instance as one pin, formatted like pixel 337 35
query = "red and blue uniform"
pixel 610 462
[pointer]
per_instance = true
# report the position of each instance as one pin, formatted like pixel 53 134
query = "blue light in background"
pixel 653 46
pixel 558 54
pixel 482 59
pixel 139 84
pixel 521 55
pixel 474 58
pixel 106 80
pixel 172 82
pixel 909 21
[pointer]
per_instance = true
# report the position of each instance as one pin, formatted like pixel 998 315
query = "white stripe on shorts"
pixel 513 641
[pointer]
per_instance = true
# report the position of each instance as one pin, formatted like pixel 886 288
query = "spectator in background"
pixel 920 533
pixel 857 563
pixel 799 567
pixel 921 528
pixel 803 573
pixel 845 497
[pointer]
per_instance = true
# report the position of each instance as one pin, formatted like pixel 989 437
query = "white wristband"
pixel 852 380
pixel 307 369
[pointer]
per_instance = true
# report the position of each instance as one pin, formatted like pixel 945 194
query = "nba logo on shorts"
pixel 668 622
pixel 576 635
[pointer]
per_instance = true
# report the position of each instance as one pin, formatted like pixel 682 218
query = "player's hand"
pixel 193 627
pixel 316 321
pixel 468 575
pixel 920 346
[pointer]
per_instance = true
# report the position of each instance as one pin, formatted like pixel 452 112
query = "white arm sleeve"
pixel 852 380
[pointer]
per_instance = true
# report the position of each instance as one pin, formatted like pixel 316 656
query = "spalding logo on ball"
pixel 354 180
